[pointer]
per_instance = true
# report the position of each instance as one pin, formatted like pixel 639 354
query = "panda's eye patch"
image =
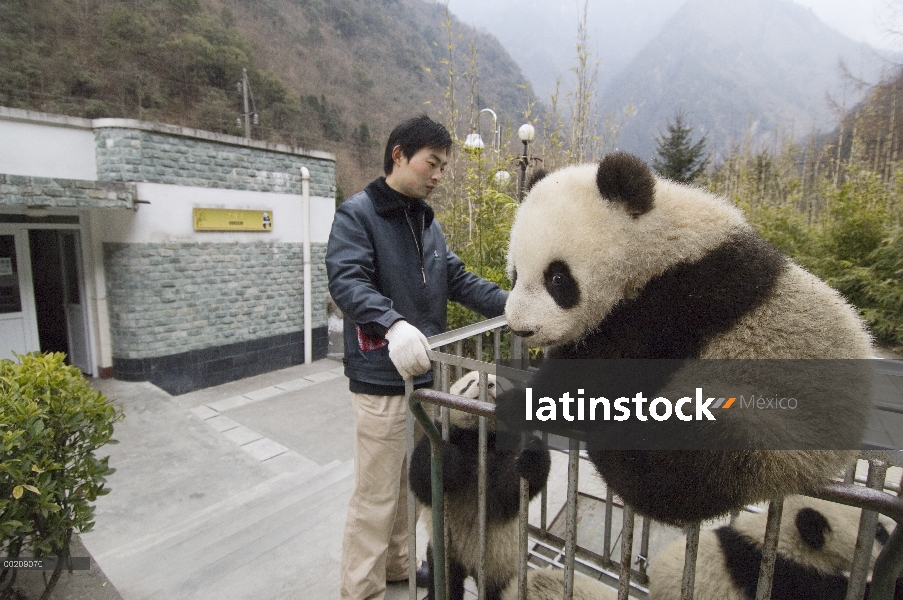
pixel 561 285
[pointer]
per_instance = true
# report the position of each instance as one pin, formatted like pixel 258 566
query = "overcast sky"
pixel 860 20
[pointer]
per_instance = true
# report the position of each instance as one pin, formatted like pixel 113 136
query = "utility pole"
pixel 247 113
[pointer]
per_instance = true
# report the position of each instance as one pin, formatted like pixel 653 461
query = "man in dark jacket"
pixel 391 273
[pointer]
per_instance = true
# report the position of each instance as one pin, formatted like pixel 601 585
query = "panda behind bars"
pixel 504 468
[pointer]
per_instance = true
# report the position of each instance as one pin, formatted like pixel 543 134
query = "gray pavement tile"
pixel 323 376
pixel 295 385
pixel 221 423
pixel 289 462
pixel 264 449
pixel 229 403
pixel 204 412
pixel 264 393
pixel 241 435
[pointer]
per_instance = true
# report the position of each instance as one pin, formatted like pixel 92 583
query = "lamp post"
pixel 474 142
pixel 526 133
pixel 496 130
pixel 501 178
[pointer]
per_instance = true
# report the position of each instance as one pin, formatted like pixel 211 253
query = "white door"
pixel 18 323
pixel 76 321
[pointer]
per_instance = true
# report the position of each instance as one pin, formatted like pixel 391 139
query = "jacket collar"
pixel 388 202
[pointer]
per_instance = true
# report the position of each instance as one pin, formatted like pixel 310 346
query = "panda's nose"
pixel 523 334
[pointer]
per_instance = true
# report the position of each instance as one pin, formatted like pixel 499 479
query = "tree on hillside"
pixel 679 158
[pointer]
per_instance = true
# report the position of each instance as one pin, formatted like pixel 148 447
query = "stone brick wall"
pixel 46 192
pixel 171 298
pixel 154 157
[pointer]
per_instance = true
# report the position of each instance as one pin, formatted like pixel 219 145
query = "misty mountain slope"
pixel 541 34
pixel 732 65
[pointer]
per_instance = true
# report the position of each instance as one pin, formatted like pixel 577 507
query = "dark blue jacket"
pixel 387 259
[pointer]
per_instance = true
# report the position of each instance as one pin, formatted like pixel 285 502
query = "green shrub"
pixel 51 424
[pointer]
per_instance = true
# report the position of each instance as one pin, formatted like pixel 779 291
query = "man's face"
pixel 418 176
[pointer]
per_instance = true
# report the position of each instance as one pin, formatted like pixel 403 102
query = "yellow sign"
pixel 226 219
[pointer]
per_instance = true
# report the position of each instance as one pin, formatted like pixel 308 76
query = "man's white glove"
pixel 408 349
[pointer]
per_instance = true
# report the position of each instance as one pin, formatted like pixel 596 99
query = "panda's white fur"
pixel 502 534
pixel 548 584
pixel 805 569
pixel 618 232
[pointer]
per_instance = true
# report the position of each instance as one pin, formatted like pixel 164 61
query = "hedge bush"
pixel 51 424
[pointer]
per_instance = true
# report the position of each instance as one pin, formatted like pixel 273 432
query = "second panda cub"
pixel 814 558
pixel 504 468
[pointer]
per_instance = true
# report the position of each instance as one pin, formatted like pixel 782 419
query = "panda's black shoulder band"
pixel 626 179
pixel 535 177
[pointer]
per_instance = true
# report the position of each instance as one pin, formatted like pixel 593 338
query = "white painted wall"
pixel 47 150
pixel 169 216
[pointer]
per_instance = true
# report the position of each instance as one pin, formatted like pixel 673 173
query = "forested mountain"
pixel 325 74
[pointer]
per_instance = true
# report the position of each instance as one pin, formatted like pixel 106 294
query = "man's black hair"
pixel 414 134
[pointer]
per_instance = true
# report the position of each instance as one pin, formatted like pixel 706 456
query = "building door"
pixel 73 300
pixel 58 291
pixel 18 324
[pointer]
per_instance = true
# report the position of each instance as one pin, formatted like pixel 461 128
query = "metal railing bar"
pixel 769 549
pixel 446 400
pixel 626 552
pixel 438 498
pixel 571 518
pixel 866 537
pixel 643 558
pixel 606 539
pixel 889 486
pixel 544 498
pixel 481 492
pixel 470 364
pixel 462 333
pixel 888 407
pixel 863 497
pixel 497 344
pixel 887 567
pixel 412 502
pixel 690 554
pixel 523 521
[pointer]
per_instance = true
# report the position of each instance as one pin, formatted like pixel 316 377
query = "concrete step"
pixel 283 552
pixel 204 538
pixel 299 559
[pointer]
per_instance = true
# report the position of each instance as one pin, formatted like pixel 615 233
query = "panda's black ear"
pixel 625 178
pixel 812 526
pixel 534 178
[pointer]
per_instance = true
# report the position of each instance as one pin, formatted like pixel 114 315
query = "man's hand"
pixel 408 349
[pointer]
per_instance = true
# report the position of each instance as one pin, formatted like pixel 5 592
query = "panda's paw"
pixel 509 410
pixel 533 462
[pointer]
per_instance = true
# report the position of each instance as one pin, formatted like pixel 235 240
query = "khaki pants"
pixel 375 545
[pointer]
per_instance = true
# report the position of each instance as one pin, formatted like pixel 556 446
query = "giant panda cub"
pixel 610 262
pixel 504 468
pixel 815 550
